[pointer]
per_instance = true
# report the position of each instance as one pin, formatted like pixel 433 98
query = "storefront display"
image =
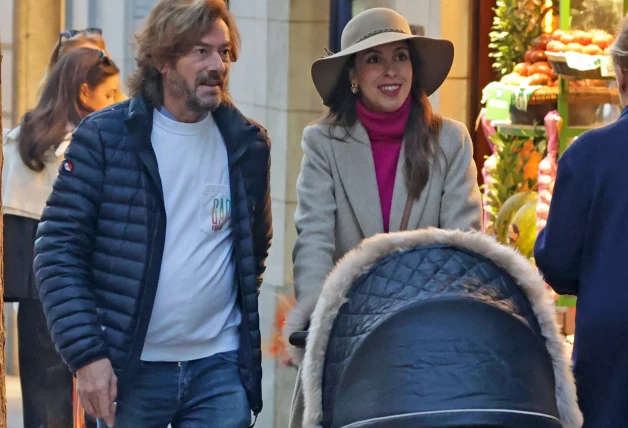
pixel 516 24
pixel 550 89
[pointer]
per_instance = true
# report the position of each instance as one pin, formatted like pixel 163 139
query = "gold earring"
pixel 355 88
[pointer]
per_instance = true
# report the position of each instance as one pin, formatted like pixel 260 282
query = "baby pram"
pixel 435 329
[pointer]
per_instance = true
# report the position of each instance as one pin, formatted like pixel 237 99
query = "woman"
pixel 75 39
pixel 583 251
pixel 381 161
pixel 82 81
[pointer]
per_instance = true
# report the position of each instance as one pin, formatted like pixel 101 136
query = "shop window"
pixel 357 6
pixel 341 12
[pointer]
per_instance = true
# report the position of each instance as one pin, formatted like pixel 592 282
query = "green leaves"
pixel 515 26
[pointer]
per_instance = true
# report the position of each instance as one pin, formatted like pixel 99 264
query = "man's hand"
pixel 97 390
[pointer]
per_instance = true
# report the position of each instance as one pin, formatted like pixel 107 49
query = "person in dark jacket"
pixel 583 251
pixel 83 81
pixel 152 246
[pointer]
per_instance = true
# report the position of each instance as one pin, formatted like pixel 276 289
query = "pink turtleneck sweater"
pixel 385 130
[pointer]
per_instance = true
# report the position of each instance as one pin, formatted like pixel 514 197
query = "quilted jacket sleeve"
pixel 461 202
pixel 262 229
pixel 63 247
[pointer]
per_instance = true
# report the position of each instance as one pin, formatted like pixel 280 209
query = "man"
pixel 152 246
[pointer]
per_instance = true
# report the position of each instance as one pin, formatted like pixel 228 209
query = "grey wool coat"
pixel 338 198
pixel 338 206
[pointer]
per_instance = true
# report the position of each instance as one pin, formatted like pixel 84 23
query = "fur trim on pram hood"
pixel 360 260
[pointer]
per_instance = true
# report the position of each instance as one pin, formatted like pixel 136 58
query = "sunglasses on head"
pixel 68 34
pixel 104 59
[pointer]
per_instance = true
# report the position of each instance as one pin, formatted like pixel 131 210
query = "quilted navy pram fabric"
pixel 436 328
pixel 402 279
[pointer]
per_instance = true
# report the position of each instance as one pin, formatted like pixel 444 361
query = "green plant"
pixel 509 175
pixel 515 26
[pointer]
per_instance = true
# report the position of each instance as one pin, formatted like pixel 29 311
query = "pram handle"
pixel 298 339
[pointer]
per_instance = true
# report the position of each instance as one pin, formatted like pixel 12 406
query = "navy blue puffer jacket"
pixel 100 243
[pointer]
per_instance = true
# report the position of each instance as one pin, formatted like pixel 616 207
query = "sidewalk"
pixel 14 403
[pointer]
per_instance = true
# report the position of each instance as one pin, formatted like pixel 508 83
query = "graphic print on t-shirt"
pixel 215 211
pixel 221 211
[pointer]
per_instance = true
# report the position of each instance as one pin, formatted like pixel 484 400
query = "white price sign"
pixel 607 67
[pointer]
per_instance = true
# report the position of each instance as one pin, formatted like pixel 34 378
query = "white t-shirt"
pixel 195 313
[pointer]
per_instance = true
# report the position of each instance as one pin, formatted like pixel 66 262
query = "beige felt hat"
pixel 379 26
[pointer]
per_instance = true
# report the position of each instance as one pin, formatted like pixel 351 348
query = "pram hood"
pixel 360 260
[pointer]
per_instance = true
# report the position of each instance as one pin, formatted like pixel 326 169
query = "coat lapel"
pixel 356 167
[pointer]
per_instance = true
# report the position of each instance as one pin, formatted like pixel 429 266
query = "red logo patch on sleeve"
pixel 67 165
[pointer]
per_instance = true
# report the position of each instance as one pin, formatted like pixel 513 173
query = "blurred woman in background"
pixel 75 39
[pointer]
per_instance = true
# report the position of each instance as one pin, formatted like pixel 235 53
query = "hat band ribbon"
pixel 376 32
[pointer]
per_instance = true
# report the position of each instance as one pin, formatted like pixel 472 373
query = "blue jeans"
pixel 192 394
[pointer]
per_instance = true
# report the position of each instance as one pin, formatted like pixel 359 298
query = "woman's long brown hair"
pixel 421 133
pixel 60 104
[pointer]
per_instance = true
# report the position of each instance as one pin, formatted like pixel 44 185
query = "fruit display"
pixel 522 229
pixel 516 24
pixel 511 175
pixel 547 177
pixel 535 71
pixel 529 158
pixel 594 42
pixel 555 79
pixel 488 173
pixel 581 54
pixel 508 212
pixel 548 169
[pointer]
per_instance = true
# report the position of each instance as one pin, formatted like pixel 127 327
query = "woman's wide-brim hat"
pixel 376 27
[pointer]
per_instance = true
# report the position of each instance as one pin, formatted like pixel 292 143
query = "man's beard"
pixel 180 89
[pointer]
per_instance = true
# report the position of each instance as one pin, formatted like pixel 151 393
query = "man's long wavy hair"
pixel 172 29
pixel 422 129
